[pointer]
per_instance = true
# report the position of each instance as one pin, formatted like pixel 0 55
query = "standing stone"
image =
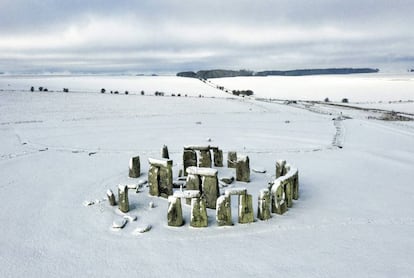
pixel 175 212
pixel 111 197
pixel 243 169
pixel 134 167
pixel 263 210
pixel 123 198
pixel 198 213
pixel 218 157
pixel 205 159
pixel 166 180
pixel 278 199
pixel 296 186
pixel 246 209
pixel 210 189
pixel 231 159
pixel 153 180
pixel 280 168
pixel 189 159
pixel 223 212
pixel 288 188
pixel 164 152
pixel 193 183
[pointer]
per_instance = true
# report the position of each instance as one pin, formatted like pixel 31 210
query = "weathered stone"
pixel 189 159
pixel 210 190
pixel 288 188
pixel 264 203
pixel 164 152
pixel 246 209
pixel 227 180
pixel 231 159
pixel 193 183
pixel 218 157
pixel 296 186
pixel 134 167
pixel 123 203
pixel 198 213
pixel 278 199
pixel 165 181
pixel 111 197
pixel 223 212
pixel 204 159
pixel 243 169
pixel 280 168
pixel 153 180
pixel 175 212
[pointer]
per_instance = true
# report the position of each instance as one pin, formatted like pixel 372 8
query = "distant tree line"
pixel 219 73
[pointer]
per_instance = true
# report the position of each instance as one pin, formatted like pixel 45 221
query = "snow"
pixel 354 217
pixel 187 194
pixel 236 191
pixel 159 161
pixel 202 171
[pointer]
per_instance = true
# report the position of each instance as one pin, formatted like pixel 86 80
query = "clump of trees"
pixel 345 100
pixel 243 92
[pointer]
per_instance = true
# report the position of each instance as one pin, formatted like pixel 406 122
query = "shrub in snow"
pixel 40 89
pixel 32 89
pixel 344 100
pixel 142 93
pixel 103 91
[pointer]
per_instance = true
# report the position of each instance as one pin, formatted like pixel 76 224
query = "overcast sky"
pixel 167 36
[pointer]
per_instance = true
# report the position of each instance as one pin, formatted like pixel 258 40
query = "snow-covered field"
pixel 355 215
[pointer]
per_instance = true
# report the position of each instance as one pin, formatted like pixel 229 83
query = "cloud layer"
pixel 172 35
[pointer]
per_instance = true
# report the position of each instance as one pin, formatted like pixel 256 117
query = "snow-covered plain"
pixel 355 215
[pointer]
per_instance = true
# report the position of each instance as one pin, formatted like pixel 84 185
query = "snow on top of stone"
pixel 187 194
pixel 202 171
pixel 160 161
pixel 122 187
pixel 243 158
pixel 109 192
pixel 197 147
pixel 236 191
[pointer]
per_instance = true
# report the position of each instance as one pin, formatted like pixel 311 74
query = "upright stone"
pixel 231 159
pixel 189 159
pixel 288 188
pixel 296 186
pixel 211 191
pixel 164 152
pixel 134 167
pixel 223 212
pixel 246 209
pixel 166 180
pixel 198 213
pixel 111 197
pixel 264 203
pixel 205 159
pixel 123 204
pixel 243 169
pixel 278 199
pixel 218 157
pixel 175 212
pixel 193 183
pixel 153 180
pixel 280 168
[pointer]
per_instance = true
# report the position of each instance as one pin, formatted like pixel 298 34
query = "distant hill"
pixel 218 73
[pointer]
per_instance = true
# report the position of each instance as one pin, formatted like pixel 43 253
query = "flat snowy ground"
pixel 355 215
